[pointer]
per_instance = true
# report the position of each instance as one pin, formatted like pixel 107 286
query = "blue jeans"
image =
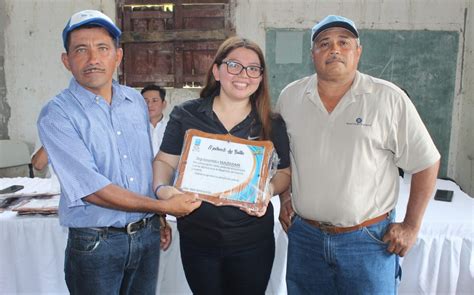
pixel 228 270
pixel 349 263
pixel 110 262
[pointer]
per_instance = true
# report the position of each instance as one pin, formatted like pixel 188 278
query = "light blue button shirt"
pixel 92 144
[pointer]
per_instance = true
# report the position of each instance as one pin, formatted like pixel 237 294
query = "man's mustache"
pixel 335 59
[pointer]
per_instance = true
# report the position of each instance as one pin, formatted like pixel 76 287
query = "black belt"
pixel 130 228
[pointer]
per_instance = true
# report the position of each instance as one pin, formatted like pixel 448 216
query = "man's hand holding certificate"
pixel 227 170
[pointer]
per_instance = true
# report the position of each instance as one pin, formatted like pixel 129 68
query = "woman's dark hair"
pixel 260 99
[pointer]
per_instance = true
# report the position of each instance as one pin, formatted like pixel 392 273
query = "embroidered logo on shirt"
pixel 359 122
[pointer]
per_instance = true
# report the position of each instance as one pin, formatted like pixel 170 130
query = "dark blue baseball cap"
pixel 331 21
pixel 90 17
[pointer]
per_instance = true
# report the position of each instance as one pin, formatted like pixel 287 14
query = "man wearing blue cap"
pixel 97 138
pixel 349 133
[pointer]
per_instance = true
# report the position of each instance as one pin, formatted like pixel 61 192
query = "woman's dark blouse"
pixel 210 225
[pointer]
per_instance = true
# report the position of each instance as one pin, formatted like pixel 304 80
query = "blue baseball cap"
pixel 90 17
pixel 331 21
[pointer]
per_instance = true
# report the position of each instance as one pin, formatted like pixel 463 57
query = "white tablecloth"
pixel 441 262
pixel 32 258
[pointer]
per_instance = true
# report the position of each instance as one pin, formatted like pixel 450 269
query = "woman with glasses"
pixel 226 250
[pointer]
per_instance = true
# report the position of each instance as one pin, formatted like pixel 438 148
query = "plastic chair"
pixel 15 153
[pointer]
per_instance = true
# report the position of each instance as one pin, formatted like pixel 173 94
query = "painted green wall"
pixel 420 61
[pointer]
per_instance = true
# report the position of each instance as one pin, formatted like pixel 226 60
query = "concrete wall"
pixel 34 72
pixel 464 162
pixel 4 107
pixel 33 69
pixel 31 45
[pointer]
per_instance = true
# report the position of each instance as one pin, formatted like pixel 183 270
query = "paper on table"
pixel 43 205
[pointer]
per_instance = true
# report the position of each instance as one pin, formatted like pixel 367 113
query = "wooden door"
pixel 171 44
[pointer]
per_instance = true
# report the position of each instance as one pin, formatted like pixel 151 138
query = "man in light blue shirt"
pixel 97 137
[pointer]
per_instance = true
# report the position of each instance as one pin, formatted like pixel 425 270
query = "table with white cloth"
pixel 441 262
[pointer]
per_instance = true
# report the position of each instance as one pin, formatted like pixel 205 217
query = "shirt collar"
pixel 160 123
pixel 359 86
pixel 310 90
pixel 311 85
pixel 87 98
pixel 206 108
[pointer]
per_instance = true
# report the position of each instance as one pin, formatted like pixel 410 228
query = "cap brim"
pixel 336 25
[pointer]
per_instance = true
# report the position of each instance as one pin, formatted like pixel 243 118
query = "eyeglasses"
pixel 235 68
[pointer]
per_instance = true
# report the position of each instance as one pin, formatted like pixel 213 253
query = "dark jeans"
pixel 228 270
pixel 109 262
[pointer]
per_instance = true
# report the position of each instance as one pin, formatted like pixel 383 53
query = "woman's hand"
pixel 165 233
pixel 261 211
pixel 286 211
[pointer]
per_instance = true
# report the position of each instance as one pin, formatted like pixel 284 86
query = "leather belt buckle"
pixel 330 228
pixel 133 227
pixel 326 226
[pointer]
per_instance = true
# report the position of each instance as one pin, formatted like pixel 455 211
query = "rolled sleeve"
pixel 414 148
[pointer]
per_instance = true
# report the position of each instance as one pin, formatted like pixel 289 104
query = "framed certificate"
pixel 226 170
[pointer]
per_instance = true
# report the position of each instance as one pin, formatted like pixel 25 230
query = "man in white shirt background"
pixel 154 97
